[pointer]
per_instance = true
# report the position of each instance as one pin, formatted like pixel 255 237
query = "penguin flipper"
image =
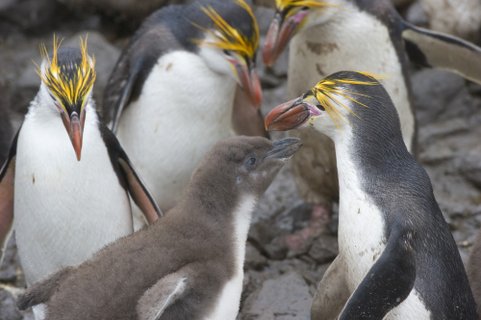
pixel 436 49
pixel 388 282
pixel 246 119
pixel 332 292
pixel 42 291
pixel 7 178
pixel 129 177
pixel 161 295
pixel 133 68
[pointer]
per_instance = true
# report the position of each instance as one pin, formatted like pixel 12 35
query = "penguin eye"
pixel 320 107
pixel 251 162
pixel 227 52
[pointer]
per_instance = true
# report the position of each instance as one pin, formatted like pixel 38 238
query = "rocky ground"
pixel 280 278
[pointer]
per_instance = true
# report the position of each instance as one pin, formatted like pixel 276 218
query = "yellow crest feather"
pixel 284 4
pixel 327 90
pixel 67 89
pixel 229 38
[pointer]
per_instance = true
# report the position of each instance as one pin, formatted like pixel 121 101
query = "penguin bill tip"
pixel 287 116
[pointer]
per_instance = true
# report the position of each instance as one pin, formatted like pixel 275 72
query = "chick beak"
pixel 288 115
pixel 74 126
pixel 280 32
pixel 249 80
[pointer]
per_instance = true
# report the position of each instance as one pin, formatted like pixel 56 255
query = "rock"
pixel 415 14
pixel 460 18
pixel 440 95
pixel 8 268
pixel 324 249
pixel 471 167
pixel 105 54
pixel 32 16
pixel 254 259
pixel 284 298
pixel 6 130
pixel 8 310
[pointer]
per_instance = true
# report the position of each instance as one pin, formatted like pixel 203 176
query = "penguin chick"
pixel 66 203
pixel 188 265
pixel 397 258
pixel 172 93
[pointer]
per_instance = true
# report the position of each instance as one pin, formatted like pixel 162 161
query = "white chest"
pixel 227 304
pixel 350 40
pixel 184 108
pixel 64 209
pixel 361 223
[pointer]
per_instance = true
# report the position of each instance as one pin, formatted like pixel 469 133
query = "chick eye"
pixel 251 162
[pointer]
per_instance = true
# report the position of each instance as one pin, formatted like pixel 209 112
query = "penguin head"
pixel 229 42
pixel 292 16
pixel 245 165
pixel 67 78
pixel 335 105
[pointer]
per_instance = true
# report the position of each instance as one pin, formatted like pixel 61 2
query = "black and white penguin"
pixel 188 265
pixel 65 204
pixel 330 36
pixel 397 258
pixel 172 93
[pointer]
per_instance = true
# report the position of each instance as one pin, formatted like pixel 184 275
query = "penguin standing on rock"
pixel 334 35
pixel 189 265
pixel 173 92
pixel 64 203
pixel 397 258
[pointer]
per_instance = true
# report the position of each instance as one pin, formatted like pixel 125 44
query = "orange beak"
pixel 280 32
pixel 74 126
pixel 249 80
pixel 289 115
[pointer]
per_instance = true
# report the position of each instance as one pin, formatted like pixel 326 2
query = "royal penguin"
pixel 397 258
pixel 334 35
pixel 474 271
pixel 188 265
pixel 66 203
pixel 186 80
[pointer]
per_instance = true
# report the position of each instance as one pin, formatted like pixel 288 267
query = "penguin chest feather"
pixel 227 305
pixel 64 209
pixel 362 233
pixel 183 109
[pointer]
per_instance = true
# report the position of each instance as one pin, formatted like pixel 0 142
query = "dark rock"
pixel 254 259
pixel 324 249
pixel 284 298
pixel 8 268
pixel 8 310
pixel 471 167
pixel 440 95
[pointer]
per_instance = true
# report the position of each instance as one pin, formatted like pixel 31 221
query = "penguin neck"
pixel 368 147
